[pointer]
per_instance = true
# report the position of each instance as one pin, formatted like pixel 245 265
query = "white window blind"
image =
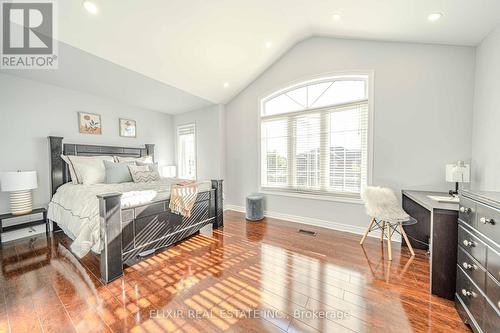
pixel 186 151
pixel 316 139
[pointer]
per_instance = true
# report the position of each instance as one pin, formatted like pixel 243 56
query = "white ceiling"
pixel 197 45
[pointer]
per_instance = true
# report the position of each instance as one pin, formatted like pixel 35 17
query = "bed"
pixel 122 223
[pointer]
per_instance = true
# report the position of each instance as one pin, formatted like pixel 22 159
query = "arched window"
pixel 314 137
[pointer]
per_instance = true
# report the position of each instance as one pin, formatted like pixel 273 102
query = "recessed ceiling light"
pixel 269 45
pixel 90 7
pixel 434 17
pixel 226 84
pixel 336 17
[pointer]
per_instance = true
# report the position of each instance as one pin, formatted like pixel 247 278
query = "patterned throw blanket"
pixel 182 197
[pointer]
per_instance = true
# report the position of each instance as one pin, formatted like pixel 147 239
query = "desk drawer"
pixel 493 264
pixel 467 211
pixel 472 245
pixel 471 267
pixel 488 222
pixel 470 295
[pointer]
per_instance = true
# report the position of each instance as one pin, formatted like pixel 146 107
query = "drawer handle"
pixel 484 220
pixel 469 243
pixel 466 293
pixel 465 210
pixel 469 266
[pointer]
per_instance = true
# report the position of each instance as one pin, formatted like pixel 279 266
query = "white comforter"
pixel 75 208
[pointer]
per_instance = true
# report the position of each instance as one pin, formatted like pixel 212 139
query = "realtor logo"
pixel 28 35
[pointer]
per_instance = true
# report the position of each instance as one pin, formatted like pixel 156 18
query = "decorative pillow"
pixel 151 166
pixel 90 169
pixel 117 173
pixel 72 172
pixel 142 174
pixel 144 159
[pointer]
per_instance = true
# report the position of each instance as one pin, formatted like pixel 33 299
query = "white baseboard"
pixel 315 222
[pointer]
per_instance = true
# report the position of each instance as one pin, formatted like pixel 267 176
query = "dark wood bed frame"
pixel 130 234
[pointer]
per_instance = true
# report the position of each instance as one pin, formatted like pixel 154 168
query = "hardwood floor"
pixel 247 277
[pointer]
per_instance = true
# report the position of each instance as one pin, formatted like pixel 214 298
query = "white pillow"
pixel 72 172
pixel 143 174
pixel 90 169
pixel 144 159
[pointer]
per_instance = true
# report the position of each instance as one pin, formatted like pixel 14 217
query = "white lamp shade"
pixel 169 171
pixel 458 173
pixel 18 181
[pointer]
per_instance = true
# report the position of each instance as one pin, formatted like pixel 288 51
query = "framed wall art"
pixel 89 123
pixel 128 128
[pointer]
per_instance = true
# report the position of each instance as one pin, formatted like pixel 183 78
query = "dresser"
pixel 477 296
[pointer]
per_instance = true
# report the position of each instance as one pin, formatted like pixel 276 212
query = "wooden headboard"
pixel 59 171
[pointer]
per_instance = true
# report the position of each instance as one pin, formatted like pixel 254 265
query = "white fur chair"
pixel 383 207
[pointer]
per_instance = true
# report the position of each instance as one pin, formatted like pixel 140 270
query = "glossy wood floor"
pixel 246 277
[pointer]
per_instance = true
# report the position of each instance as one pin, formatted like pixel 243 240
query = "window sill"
pixel 313 196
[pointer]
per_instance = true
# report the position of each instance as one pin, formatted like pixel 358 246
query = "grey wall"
pixel 422 116
pixel 485 138
pixel 210 145
pixel 30 111
pixel 104 78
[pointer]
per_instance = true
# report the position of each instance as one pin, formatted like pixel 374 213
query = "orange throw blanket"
pixel 183 196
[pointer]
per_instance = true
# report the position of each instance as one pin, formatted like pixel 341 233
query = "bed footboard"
pixel 129 234
pixel 110 215
pixel 218 203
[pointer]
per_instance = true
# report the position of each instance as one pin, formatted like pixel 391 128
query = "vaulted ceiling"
pixel 199 45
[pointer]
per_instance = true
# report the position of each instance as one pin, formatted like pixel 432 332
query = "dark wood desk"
pixel 436 226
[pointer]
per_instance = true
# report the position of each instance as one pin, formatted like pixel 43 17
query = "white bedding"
pixel 75 208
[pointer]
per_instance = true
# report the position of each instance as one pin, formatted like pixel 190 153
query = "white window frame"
pixel 178 151
pixel 304 82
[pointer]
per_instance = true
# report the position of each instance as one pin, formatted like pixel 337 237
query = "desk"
pixel 436 226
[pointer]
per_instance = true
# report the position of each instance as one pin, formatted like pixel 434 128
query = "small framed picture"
pixel 128 128
pixel 89 123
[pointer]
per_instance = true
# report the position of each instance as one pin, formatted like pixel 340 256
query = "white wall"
pixel 210 146
pixel 485 138
pixel 422 116
pixel 30 111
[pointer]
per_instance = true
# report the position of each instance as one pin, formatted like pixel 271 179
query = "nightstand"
pixel 44 220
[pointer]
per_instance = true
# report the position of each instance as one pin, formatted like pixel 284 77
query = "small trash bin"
pixel 255 207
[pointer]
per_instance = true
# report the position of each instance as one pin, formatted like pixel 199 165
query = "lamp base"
pixel 21 202
pixel 453 193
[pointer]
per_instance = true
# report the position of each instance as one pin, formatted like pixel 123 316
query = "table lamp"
pixel 19 184
pixel 457 173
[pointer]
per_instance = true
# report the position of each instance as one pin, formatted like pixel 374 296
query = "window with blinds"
pixel 314 137
pixel 186 151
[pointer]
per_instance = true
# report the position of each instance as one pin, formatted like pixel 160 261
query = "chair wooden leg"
pixel 366 232
pixel 389 236
pixel 406 239
pixel 382 230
